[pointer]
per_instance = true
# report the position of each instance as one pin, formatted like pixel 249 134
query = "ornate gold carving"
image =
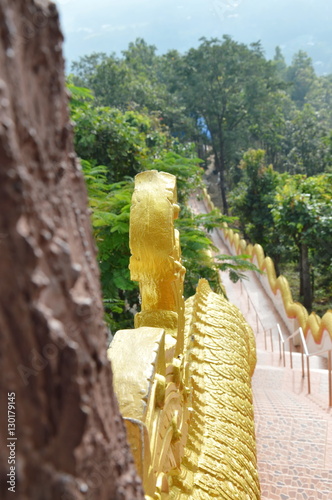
pixel 156 260
pixel 221 440
pixel 182 377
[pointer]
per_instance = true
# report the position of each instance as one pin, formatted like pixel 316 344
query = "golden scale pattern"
pixel 223 359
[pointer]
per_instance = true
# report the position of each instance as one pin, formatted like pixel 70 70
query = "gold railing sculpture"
pixel 183 375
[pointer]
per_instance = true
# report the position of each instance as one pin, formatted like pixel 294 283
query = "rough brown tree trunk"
pixel 220 163
pixel 305 277
pixel 66 438
pixel 222 170
pixel 222 183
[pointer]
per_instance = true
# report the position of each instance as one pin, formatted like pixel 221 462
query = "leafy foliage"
pixel 124 142
pixel 304 143
pixel 301 75
pixel 303 207
pixel 200 256
pixel 302 212
pixel 110 204
pixel 252 200
pixel 188 174
pixel 110 201
pixel 145 110
pixel 290 215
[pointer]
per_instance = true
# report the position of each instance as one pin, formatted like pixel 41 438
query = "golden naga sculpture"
pixel 156 256
pixel 183 375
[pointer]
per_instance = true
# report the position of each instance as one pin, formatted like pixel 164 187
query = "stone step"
pixel 296 475
pixel 296 453
pixel 293 432
pixel 284 389
pixel 275 359
pixel 285 492
pixel 281 405
pixel 296 429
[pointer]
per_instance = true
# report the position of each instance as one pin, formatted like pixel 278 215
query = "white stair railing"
pixel 305 353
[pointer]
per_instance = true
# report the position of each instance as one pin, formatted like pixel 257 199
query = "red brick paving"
pixel 293 432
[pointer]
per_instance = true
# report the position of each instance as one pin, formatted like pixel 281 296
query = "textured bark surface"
pixel 71 440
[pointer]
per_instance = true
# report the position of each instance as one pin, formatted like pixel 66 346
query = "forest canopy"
pixel 263 125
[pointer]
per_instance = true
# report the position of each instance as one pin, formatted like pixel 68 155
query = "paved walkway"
pixel 293 432
pixel 293 429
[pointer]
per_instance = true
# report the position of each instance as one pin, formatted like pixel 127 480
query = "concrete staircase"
pixel 293 431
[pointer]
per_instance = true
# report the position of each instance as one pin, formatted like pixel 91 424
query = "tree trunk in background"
pixel 71 441
pixel 299 246
pixel 221 169
pixel 305 277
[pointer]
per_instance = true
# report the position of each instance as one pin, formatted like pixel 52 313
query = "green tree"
pixel 304 143
pixel 223 84
pixel 110 204
pixel 252 201
pixel 139 80
pixel 269 130
pixel 141 57
pixel 302 212
pixel 122 142
pixel 84 69
pixel 280 63
pixel 169 69
pixel 301 75
pixel 320 98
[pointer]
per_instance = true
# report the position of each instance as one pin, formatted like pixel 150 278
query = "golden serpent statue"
pixel 183 375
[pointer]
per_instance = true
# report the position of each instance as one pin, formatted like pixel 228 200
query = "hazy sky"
pixel 109 25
